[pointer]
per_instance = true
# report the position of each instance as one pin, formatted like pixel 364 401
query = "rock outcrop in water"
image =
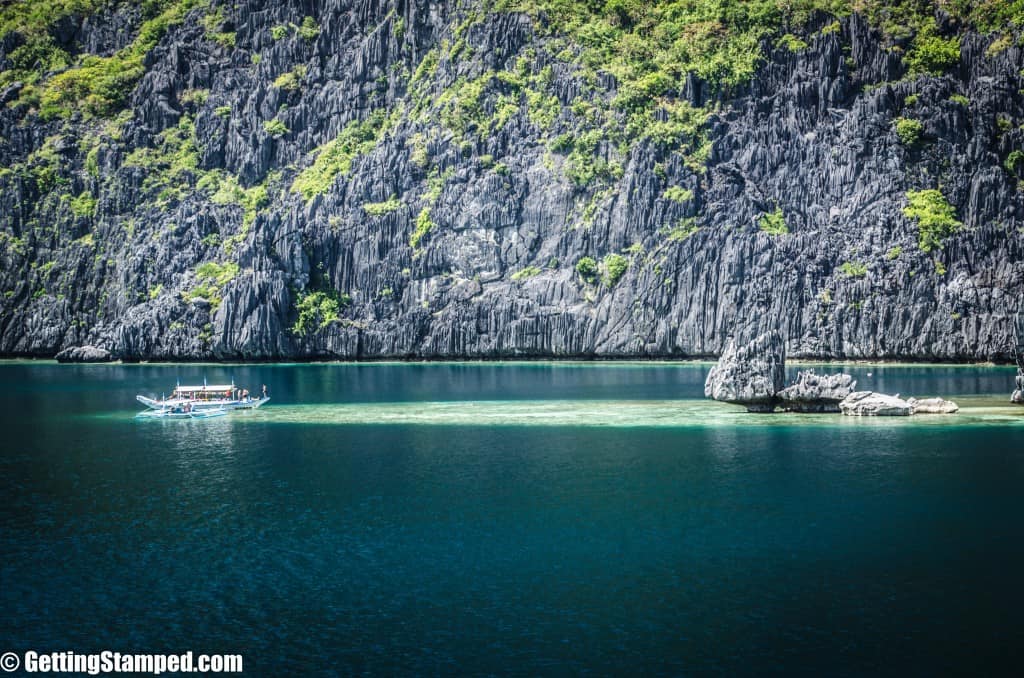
pixel 403 178
pixel 84 354
pixel 1018 394
pixel 751 375
pixel 933 406
pixel 817 393
pixel 870 404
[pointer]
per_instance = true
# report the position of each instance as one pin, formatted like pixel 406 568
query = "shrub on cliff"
pixel 935 217
pixel 615 266
pixel 378 209
pixel 317 310
pixel 424 224
pixel 931 53
pixel 587 269
pixel 291 81
pixel 773 223
pixel 909 130
pixel 275 127
pixel 854 269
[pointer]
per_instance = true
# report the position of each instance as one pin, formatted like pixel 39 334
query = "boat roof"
pixel 211 387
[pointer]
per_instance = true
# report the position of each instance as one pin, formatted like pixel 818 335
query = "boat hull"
pixel 251 404
pixel 168 414
pixel 203 405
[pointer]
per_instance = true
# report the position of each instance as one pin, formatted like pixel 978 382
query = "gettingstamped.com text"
pixel 117 662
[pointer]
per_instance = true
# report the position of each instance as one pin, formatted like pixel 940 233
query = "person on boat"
pixel 264 390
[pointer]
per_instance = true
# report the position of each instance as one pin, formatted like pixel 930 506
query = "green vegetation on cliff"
pixel 615 266
pixel 317 310
pixel 909 130
pixel 335 158
pixel 291 81
pixel 651 46
pixel 171 164
pixel 932 53
pixel 424 225
pixel 275 128
pixel 526 273
pixel 93 84
pixel 212 277
pixel 587 269
pixel 935 217
pixel 378 209
pixel 773 223
pixel 854 269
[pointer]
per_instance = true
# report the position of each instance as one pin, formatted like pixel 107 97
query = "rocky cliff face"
pixel 395 178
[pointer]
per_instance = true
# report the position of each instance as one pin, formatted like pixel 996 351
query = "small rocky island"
pixel 753 375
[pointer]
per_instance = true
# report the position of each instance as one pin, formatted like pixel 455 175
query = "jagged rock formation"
pixel 1018 393
pixel 933 406
pixel 751 375
pixel 817 393
pixel 84 354
pixel 870 404
pixel 403 178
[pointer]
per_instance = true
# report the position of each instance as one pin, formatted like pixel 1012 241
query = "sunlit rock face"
pixel 427 180
pixel 84 354
pixel 817 393
pixel 869 404
pixel 751 375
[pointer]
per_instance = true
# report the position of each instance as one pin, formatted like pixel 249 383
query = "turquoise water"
pixel 511 518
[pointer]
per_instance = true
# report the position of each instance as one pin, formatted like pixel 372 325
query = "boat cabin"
pixel 211 392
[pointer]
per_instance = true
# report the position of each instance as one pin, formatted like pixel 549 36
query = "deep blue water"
pixel 325 547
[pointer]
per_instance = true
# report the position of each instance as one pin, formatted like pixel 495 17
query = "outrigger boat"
pixel 204 398
pixel 182 412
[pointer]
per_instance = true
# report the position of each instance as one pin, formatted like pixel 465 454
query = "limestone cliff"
pixel 392 178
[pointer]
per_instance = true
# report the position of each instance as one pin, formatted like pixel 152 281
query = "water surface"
pixel 511 518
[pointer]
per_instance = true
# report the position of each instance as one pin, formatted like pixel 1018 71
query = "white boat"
pixel 206 397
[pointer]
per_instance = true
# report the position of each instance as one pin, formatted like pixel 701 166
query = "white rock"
pixel 817 393
pixel 869 403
